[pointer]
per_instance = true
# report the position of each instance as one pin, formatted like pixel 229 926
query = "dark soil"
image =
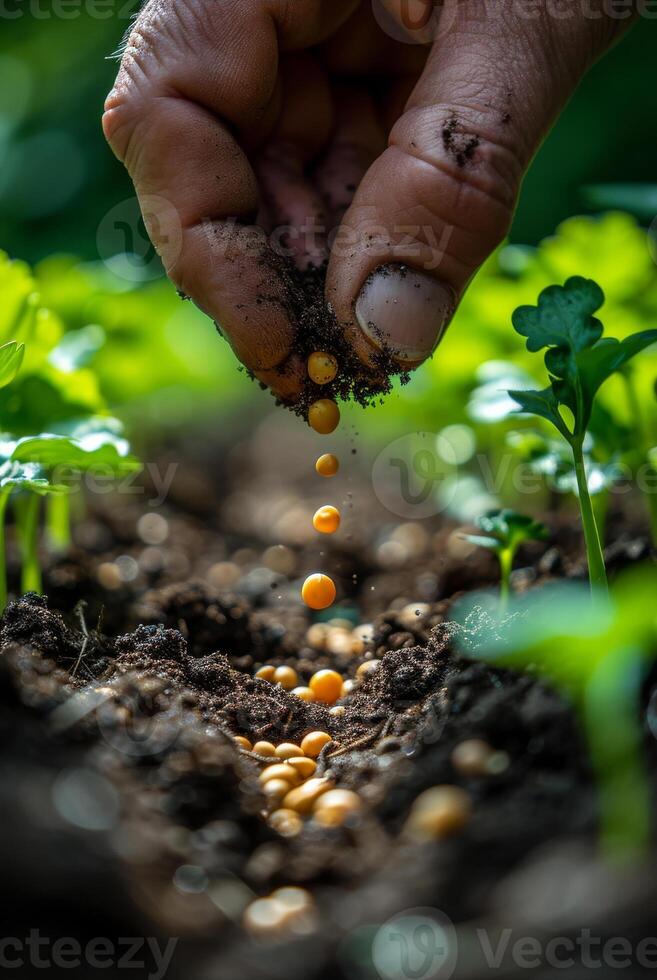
pixel 135 699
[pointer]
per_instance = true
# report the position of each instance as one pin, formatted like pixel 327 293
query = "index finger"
pixel 192 74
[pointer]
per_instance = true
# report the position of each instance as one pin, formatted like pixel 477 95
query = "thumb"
pixel 441 197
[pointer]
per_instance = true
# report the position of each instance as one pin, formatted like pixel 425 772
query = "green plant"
pixel 54 422
pixel 597 654
pixel 504 532
pixel 578 360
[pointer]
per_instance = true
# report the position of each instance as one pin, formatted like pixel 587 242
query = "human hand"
pixel 241 118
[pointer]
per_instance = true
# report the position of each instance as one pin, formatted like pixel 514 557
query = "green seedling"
pixel 91 445
pixel 504 532
pixel 597 654
pixel 29 483
pixel 578 360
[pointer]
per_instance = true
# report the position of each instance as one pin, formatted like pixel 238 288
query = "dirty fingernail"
pixel 404 310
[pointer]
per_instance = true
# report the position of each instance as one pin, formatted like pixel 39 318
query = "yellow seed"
pixel 471 757
pixel 266 673
pixel 333 808
pixel 326 685
pixel 327 465
pixel 243 742
pixel 288 750
pixel 285 822
pixel 287 677
pixel 264 748
pixel 322 367
pixel 326 519
pixel 323 416
pixel 317 634
pixel 439 812
pixel 293 897
pixel 318 591
pixel 280 770
pixel 303 765
pixel 366 667
pixel 338 641
pixel 276 789
pixel 304 693
pixel 264 917
pixel 313 743
pixel 302 798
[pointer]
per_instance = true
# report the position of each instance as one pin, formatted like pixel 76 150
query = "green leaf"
pixel 492 544
pixel 563 316
pixel 90 445
pixel 508 528
pixel 11 358
pixel 598 363
pixel 27 476
pixel 542 403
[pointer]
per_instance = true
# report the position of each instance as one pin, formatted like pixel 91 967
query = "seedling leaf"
pixel 563 316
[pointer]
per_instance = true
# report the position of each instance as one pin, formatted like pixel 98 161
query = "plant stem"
pixel 58 522
pixel 596 562
pixel 505 557
pixel 4 497
pixel 29 528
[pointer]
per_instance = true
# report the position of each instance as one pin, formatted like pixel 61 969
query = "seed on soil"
pixel 327 465
pixel 439 812
pixel 334 807
pixel 317 634
pixel 286 822
pixel 326 519
pixel 243 743
pixel 347 688
pixel 304 693
pixel 366 667
pixel 266 673
pixel 323 416
pixel 339 641
pixel 302 798
pixel 280 770
pixel 322 367
pixel 264 748
pixel 303 765
pixel 338 710
pixel 472 756
pixel 276 789
pixel 318 591
pixel 326 685
pixel 288 750
pixel 314 742
pixel 287 677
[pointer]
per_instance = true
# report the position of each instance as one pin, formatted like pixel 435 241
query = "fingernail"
pixel 405 311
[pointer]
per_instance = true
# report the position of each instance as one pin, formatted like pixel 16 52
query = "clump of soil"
pixel 317 329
